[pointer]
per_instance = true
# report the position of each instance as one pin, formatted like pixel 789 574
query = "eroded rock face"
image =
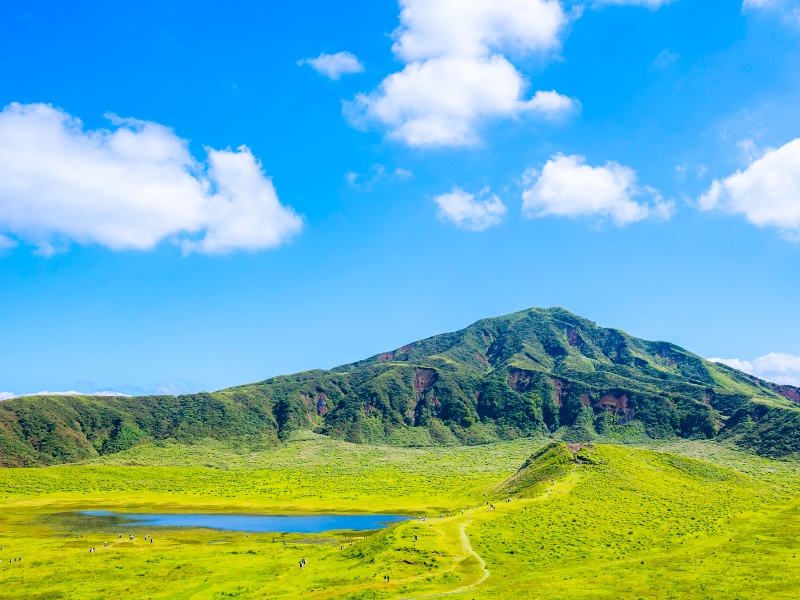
pixel 618 405
pixel 787 391
pixel 322 404
pixel 665 352
pixel 559 386
pixel 387 356
pixel 518 380
pixel 424 380
pixel 574 339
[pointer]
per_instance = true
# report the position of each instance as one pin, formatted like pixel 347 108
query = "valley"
pixel 613 522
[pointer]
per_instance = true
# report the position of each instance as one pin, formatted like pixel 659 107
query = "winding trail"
pixel 468 551
pixel 562 486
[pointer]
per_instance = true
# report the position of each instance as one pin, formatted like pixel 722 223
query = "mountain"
pixel 535 372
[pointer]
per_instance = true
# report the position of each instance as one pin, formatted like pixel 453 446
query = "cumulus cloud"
pixel 470 212
pixel 333 66
pixel 130 187
pixel 457 73
pixel 774 367
pixel 6 396
pixel 568 187
pixel 766 193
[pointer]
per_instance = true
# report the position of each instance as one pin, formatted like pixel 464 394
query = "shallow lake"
pixel 250 523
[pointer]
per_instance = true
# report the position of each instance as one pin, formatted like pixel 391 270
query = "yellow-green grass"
pixel 632 523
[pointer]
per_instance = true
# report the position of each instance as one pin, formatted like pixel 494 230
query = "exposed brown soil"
pixel 787 391
pixel 424 380
pixel 518 380
pixel 559 386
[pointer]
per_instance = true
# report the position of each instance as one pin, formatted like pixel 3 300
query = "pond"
pixel 249 523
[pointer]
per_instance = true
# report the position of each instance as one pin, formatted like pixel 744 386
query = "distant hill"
pixel 535 372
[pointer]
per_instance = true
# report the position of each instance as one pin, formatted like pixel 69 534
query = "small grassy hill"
pixel 553 461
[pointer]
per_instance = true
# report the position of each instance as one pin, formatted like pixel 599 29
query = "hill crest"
pixel 534 372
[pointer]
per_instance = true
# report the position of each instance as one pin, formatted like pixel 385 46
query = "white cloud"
pixel 473 28
pixel 767 193
pixel 666 58
pixel 470 212
pixel 788 9
pixel 169 388
pixel 6 243
pixel 130 187
pixel 651 4
pixel 774 367
pixel 377 174
pixel 568 187
pixel 333 66
pixel 6 396
pixel 456 73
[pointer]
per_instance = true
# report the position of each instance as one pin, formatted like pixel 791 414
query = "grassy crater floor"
pixel 680 520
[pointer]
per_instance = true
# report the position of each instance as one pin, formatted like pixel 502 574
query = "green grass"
pixel 626 523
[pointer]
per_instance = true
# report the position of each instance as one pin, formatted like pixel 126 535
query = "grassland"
pixel 682 519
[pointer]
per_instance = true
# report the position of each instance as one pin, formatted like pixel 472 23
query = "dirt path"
pixel 468 551
pixel 562 486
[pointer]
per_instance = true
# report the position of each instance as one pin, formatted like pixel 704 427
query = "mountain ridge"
pixel 533 372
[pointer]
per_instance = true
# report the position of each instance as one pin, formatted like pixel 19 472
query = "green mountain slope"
pixel 539 371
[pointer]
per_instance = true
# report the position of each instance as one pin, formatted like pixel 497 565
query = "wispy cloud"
pixel 788 9
pixel 130 187
pixel 774 367
pixel 469 211
pixel 175 387
pixel 651 4
pixel 377 174
pixel 665 59
pixel 333 66
pixel 108 393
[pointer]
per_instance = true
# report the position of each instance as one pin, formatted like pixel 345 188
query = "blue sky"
pixel 195 195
